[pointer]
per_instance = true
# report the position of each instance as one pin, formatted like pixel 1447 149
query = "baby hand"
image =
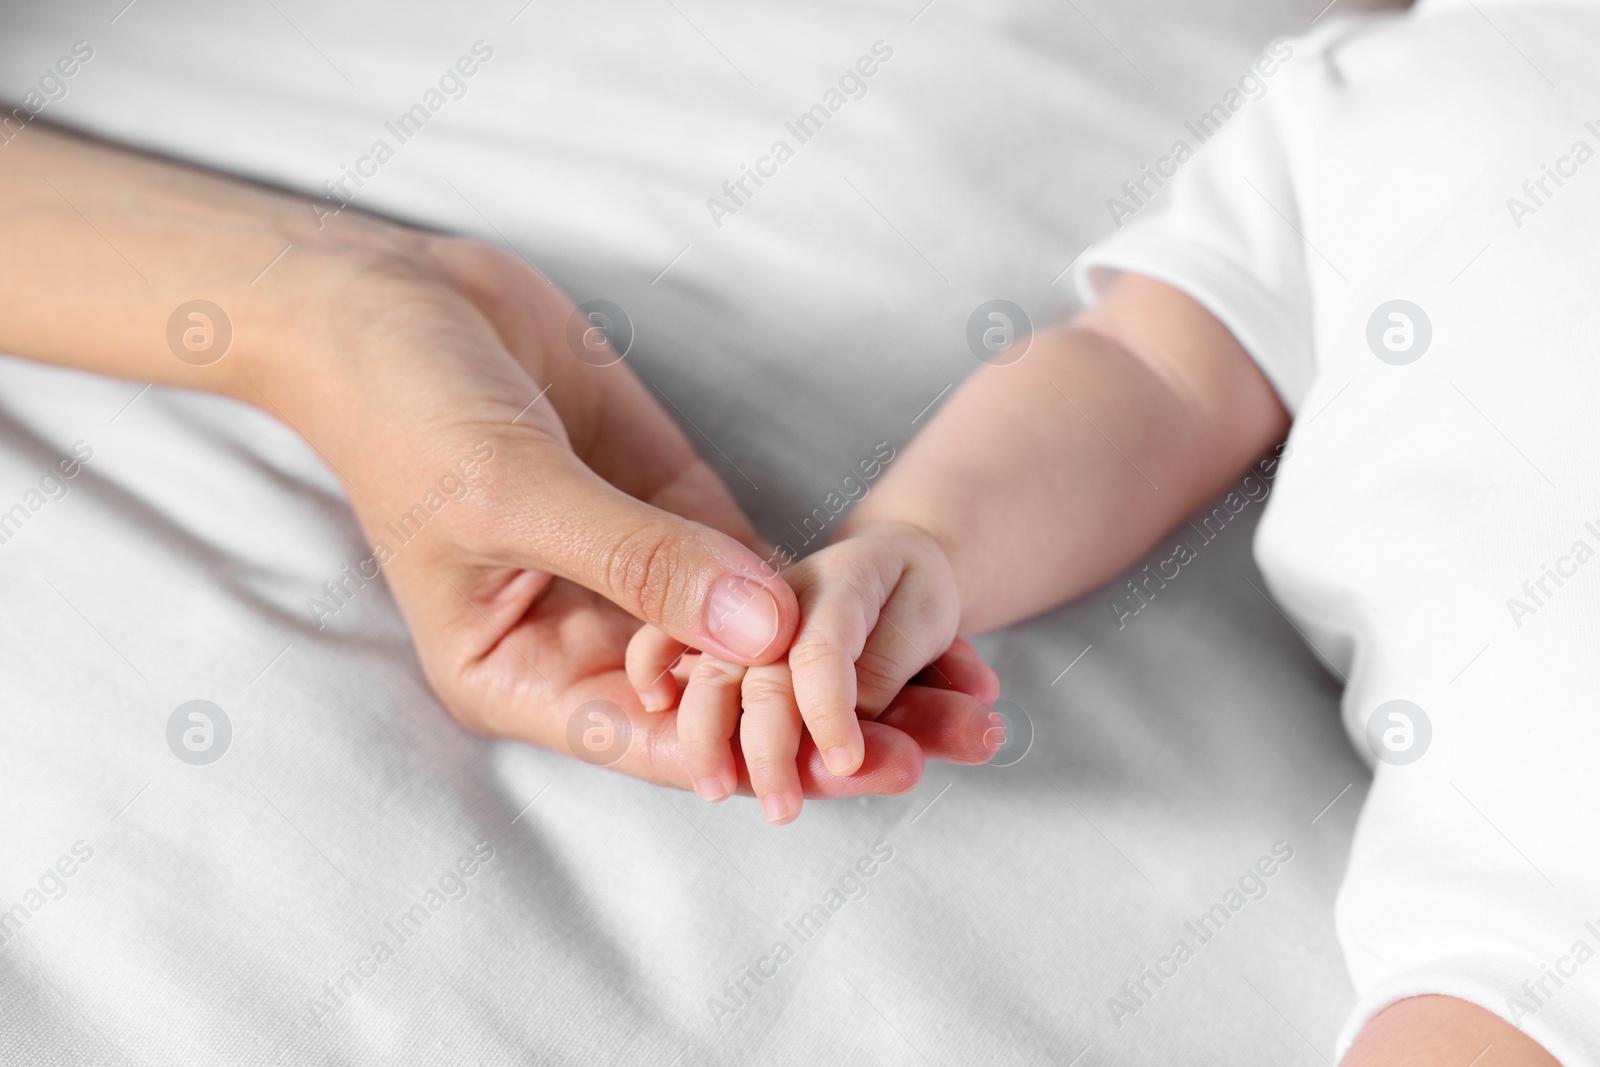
pixel 876 610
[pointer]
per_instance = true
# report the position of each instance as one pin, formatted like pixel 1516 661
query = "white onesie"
pixel 1402 225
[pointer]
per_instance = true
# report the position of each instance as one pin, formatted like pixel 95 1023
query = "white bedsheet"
pixel 821 317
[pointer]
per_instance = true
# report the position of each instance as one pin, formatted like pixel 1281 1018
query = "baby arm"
pixel 1036 482
pixel 1042 479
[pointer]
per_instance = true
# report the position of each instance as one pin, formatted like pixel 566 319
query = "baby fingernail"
pixel 838 760
pixel 655 701
pixel 774 807
pixel 710 788
pixel 742 615
pixel 995 735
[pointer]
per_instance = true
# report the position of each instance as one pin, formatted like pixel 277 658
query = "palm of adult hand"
pixel 593 513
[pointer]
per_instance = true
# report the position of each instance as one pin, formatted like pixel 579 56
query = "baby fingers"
pixel 652 653
pixel 769 736
pixel 835 620
pixel 915 628
pixel 707 718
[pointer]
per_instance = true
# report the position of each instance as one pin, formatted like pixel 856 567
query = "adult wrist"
pixel 304 325
pixel 198 280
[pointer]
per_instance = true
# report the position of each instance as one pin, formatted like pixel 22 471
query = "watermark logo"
pixel 405 927
pixel 1399 332
pixel 1537 191
pixel 199 732
pixel 1018 734
pixel 737 993
pixel 599 732
pixel 51 487
pixel 1252 885
pixel 737 192
pixel 852 488
pixel 600 333
pixel 1399 732
pixel 1145 585
pixel 51 87
pixel 999 332
pixel 199 332
pixel 51 887
pixel 1138 192
pixel 1537 591
pixel 451 85
pixel 340 590
pixel 1535 994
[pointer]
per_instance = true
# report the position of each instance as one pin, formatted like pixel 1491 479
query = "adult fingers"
pixel 948 726
pixel 699 585
pixel 961 670
pixel 892 764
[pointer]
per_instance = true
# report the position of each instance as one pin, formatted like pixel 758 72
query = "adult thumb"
pixel 698 584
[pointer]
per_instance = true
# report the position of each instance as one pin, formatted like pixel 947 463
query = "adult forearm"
pixel 101 249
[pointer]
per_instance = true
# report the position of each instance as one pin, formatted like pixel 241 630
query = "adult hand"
pixel 399 356
pixel 593 514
